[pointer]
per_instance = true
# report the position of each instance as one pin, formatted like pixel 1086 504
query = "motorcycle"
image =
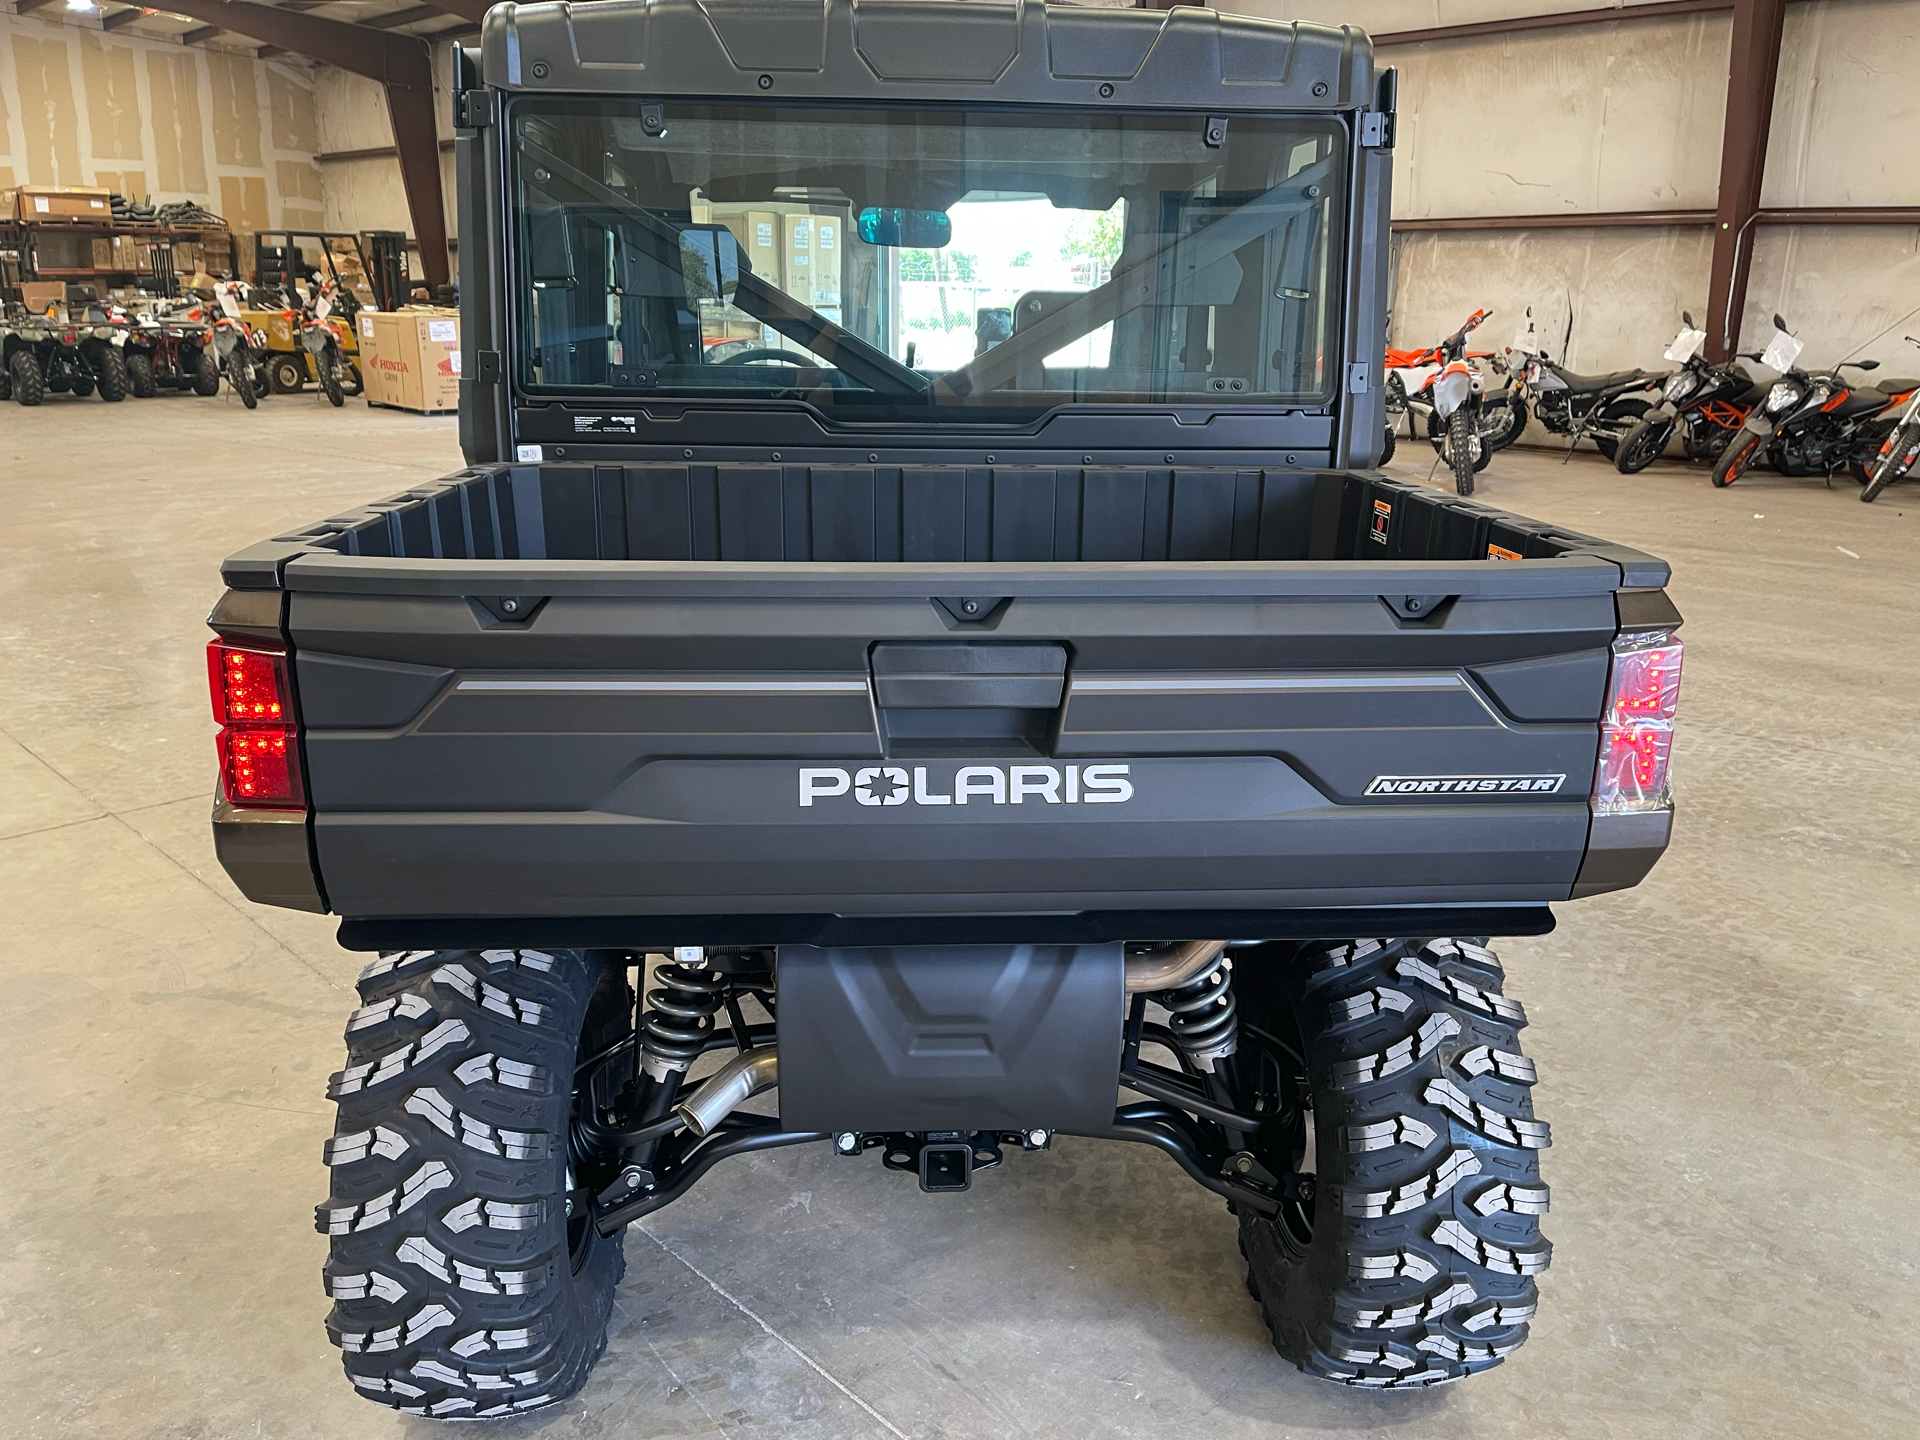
pixel 1901 449
pixel 1597 407
pixel 240 355
pixel 1706 403
pixel 320 339
pixel 1808 423
pixel 1501 415
pixel 1456 391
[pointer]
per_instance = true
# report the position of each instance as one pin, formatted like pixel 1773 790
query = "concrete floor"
pixel 1728 1053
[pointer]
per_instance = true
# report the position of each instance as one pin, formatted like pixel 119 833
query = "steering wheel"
pixel 759 357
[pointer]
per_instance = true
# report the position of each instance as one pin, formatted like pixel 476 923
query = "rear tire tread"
pixel 1426 1237
pixel 454 1291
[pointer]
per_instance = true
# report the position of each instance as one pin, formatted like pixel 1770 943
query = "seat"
pixel 1864 400
pixel 1589 383
pixel 1898 387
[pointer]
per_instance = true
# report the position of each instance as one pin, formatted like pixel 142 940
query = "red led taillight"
pixel 1646 683
pixel 1636 734
pixel 258 743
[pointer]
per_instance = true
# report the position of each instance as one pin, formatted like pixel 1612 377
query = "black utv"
pixel 918 662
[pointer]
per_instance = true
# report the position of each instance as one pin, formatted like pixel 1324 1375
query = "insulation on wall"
pixel 49 124
pixel 155 119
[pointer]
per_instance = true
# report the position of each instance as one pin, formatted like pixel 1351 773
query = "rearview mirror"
pixel 913 229
pixel 1686 318
pixel 1778 323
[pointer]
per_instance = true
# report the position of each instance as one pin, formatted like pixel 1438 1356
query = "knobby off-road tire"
pixel 206 373
pixel 329 368
pixel 1390 445
pixel 240 378
pixel 1896 459
pixel 1462 442
pixel 29 385
pixel 462 1285
pixel 140 377
pixel 1425 1233
pixel 114 380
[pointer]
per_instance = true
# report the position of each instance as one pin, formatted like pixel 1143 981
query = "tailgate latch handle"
pixel 969 677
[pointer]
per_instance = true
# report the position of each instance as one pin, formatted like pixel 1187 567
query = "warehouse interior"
pixel 1725 1050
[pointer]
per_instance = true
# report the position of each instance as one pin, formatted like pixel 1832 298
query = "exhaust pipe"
pixel 747 1074
pixel 1169 966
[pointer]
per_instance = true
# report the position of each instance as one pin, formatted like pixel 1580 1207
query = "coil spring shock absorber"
pixel 1203 1015
pixel 679 1012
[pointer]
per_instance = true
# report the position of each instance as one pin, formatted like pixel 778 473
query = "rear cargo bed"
pixel 654 691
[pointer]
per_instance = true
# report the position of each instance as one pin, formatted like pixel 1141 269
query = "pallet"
pixel 408 410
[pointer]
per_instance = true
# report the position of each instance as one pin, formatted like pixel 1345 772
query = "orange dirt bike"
pixel 1900 451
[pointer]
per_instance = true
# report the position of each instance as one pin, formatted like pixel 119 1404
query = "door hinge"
pixel 1376 129
pixel 472 110
pixel 1359 377
pixel 486 367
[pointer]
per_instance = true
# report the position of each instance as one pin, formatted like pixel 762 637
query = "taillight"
pixel 1636 734
pixel 259 744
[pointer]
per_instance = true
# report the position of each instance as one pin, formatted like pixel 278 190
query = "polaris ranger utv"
pixel 918 629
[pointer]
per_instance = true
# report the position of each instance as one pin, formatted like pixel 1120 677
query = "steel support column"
pixel 403 64
pixel 1753 65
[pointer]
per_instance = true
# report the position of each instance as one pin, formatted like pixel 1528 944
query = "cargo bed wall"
pixel 998 514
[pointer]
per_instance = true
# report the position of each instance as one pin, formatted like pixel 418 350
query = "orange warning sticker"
pixel 1495 552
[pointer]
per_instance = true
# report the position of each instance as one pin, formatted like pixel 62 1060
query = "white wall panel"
pixel 1846 111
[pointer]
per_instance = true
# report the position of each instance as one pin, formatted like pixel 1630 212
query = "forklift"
pixel 368 270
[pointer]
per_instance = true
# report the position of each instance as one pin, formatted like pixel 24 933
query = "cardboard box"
pixel 796 235
pixel 64 202
pixel 103 252
pixel 410 358
pixel 829 249
pixel 37 295
pixel 763 244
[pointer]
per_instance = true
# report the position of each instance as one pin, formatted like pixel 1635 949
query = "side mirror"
pixel 913 229
pixel 711 261
pixel 1778 323
pixel 1686 318
pixel 1866 364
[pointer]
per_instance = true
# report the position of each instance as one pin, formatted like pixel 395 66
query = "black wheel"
pixel 206 374
pixel 1387 449
pixel 1504 424
pixel 1412 1263
pixel 1735 460
pixel 329 368
pixel 466 1274
pixel 81 380
pixel 1621 413
pixel 6 382
pixel 140 376
pixel 288 373
pixel 29 385
pixel 114 380
pixel 1437 436
pixel 1642 445
pixel 1895 459
pixel 257 372
pixel 356 383
pixel 240 377
pixel 1464 451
